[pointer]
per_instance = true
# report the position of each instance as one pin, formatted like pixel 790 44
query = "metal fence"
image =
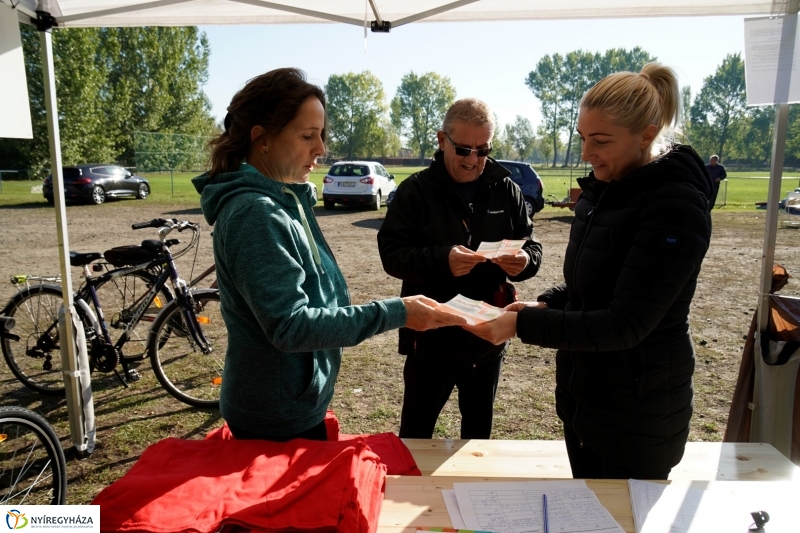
pixel 169 151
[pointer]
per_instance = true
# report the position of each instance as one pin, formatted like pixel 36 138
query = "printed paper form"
pixel 682 508
pixel 516 507
pixel 491 250
pixel 474 311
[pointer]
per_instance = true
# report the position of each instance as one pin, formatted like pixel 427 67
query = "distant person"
pixel 718 174
pixel 620 320
pixel 438 218
pixel 284 300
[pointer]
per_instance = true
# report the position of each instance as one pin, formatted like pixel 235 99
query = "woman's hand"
pixel 498 330
pixel 519 306
pixel 422 314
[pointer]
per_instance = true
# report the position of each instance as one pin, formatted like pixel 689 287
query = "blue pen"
pixel 544 511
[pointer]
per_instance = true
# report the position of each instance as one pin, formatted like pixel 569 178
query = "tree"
pixel 355 108
pixel 110 83
pixel 388 141
pixel 546 83
pixel 619 60
pixel 419 107
pixel 685 118
pixel 548 143
pixel 501 145
pixel 522 138
pixel 719 106
pixel 576 80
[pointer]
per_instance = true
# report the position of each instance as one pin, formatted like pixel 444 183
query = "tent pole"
pixel 69 365
pixel 775 177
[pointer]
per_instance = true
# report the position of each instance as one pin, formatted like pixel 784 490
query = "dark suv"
pixel 529 183
pixel 95 183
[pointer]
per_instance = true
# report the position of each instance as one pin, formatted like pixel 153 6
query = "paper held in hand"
pixel 474 311
pixel 490 250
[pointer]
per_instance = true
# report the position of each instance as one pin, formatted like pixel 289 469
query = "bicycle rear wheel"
pixel 35 359
pixel 118 296
pixel 178 362
pixel 33 470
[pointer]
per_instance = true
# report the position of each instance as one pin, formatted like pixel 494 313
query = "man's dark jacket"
pixel 425 220
pixel 620 322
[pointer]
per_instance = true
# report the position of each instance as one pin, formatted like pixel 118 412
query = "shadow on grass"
pixel 193 211
pixel 27 205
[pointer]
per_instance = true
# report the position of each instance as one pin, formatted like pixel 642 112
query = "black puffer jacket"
pixel 424 221
pixel 620 322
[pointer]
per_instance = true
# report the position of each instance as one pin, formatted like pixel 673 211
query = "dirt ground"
pixel 369 391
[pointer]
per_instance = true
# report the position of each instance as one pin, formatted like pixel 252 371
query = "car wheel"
pixel 98 195
pixel 530 206
pixel 144 190
pixel 329 204
pixel 377 205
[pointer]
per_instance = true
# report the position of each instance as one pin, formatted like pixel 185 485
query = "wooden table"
pixel 417 501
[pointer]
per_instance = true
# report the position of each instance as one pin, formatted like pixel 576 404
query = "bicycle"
pixel 33 470
pixel 191 320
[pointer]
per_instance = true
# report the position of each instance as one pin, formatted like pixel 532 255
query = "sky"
pixel 486 60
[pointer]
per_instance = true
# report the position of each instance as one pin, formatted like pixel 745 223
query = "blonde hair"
pixel 635 101
pixel 470 110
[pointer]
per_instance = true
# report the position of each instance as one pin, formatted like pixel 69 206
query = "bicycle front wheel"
pixel 119 296
pixel 32 466
pixel 187 373
pixel 35 359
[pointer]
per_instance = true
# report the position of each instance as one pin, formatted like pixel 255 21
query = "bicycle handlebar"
pixel 155 223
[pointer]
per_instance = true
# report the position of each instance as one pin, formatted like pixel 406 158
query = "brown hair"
pixel 635 101
pixel 271 101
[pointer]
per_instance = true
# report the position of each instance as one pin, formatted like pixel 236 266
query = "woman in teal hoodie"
pixel 284 300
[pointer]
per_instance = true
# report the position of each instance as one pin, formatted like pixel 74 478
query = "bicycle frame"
pixel 168 271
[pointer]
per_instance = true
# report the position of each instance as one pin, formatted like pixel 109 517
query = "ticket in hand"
pixel 491 250
pixel 473 311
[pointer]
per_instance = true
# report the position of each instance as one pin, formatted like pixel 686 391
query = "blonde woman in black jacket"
pixel 620 319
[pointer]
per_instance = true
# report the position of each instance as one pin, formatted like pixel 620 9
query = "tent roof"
pixel 83 13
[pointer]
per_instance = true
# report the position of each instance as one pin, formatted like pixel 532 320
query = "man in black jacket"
pixel 438 218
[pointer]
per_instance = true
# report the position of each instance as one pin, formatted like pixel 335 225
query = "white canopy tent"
pixel 380 16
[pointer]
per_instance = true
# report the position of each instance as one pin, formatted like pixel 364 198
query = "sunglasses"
pixel 466 152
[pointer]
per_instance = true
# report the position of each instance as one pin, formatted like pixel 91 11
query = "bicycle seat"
pixel 77 259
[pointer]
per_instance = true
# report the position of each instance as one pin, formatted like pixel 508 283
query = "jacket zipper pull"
pixel 469 235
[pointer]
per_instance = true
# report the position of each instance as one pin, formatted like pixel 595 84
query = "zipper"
pixel 574 272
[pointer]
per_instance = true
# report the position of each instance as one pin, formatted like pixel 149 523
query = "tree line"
pixel 111 83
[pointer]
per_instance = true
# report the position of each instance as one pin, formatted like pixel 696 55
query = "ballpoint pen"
pixel 544 512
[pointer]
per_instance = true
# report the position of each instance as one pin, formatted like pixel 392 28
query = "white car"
pixel 357 183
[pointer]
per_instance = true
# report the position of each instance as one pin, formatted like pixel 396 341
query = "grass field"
pixel 744 189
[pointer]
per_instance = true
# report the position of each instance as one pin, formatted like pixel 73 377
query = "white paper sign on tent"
pixel 15 113
pixel 771 59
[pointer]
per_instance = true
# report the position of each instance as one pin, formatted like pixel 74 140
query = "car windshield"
pixel 349 170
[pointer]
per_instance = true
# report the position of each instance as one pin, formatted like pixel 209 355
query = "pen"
pixel 544 511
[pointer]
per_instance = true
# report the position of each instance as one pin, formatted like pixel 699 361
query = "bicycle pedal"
pixel 132 375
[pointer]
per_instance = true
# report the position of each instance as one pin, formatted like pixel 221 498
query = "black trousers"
pixel 586 464
pixel 429 381
pixel 318 432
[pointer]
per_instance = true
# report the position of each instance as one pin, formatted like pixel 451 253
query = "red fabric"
pixel 392 451
pixel 190 486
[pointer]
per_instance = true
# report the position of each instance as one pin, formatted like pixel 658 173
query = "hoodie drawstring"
pixel 304 220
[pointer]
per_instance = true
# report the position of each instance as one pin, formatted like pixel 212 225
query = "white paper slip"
pixel 691 507
pixel 516 507
pixel 474 311
pixel 451 502
pixel 491 250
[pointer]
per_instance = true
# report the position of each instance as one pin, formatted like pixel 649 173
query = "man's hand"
pixel 422 314
pixel 512 264
pixel 463 260
pixel 498 330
